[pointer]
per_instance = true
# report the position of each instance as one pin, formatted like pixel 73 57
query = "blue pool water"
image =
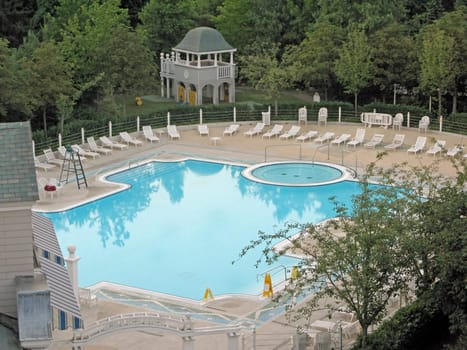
pixel 180 225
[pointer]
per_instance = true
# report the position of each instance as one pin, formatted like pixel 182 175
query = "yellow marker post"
pixel 208 295
pixel 267 290
pixel 294 274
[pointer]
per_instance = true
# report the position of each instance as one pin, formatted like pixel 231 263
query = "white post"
pixel 82 136
pixel 188 343
pixel 59 140
pixel 340 114
pixel 72 267
pixel 269 109
pixel 33 148
pixel 137 123
pixel 394 93
pixel 200 116
pixel 440 123
pixel 110 128
pixel 429 104
pixel 168 118
pixel 232 341
pixel 235 115
pixel 408 120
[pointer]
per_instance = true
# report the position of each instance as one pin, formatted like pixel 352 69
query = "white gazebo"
pixel 200 69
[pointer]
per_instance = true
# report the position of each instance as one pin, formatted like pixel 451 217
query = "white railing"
pixel 224 72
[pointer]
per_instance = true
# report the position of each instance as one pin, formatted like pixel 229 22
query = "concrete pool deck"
pixel 271 323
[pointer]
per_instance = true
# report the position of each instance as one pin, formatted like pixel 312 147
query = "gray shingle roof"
pixel 44 234
pixel 203 39
pixel 17 172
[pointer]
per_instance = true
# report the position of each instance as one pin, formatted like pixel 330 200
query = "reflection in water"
pixel 187 222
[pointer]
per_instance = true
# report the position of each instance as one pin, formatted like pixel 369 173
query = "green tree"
pixel 265 72
pixel 50 77
pixel 164 23
pixel 395 61
pixel 17 100
pixel 354 65
pixel 355 259
pixel 127 73
pixel 312 62
pixel 437 63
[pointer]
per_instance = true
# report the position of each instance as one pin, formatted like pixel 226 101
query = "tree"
pixel 311 62
pixel 395 61
pixel 266 73
pixel 355 259
pixel 437 63
pixel 123 73
pixel 353 67
pixel 164 23
pixel 50 77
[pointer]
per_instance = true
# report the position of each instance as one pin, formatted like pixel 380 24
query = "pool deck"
pixel 240 149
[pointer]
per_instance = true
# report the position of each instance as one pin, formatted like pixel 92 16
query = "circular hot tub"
pixel 297 173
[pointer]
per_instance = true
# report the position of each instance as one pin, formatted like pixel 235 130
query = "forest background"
pixel 66 64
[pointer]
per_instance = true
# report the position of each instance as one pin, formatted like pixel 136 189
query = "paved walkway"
pixel 271 323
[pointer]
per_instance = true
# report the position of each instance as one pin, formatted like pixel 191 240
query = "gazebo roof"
pixel 203 39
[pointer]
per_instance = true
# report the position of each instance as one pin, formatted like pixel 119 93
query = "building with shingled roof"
pixel 200 69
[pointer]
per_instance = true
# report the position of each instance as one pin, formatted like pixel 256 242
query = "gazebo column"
pixel 232 92
pixel 199 95
pixel 162 87
pixel 215 96
pixel 168 88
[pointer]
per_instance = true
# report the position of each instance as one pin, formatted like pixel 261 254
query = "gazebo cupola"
pixel 200 69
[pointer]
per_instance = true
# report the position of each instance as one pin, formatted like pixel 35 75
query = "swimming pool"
pixel 179 226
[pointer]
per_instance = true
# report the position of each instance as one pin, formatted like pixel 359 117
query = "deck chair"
pixel 455 150
pixel 396 143
pixel 84 153
pixel 95 148
pixel 62 151
pixel 231 129
pixel 326 137
pixel 341 139
pixel 203 129
pixel 109 143
pixel 307 136
pixel 302 115
pixel 274 132
pixel 130 140
pixel 292 132
pixel 173 132
pixel 43 166
pixel 436 148
pixel 376 140
pixel 418 146
pixel 358 139
pixel 148 134
pixel 424 123
pixel 255 130
pixel 323 115
pixel 397 121
pixel 50 157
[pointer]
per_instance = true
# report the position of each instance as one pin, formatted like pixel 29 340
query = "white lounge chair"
pixel 358 139
pixel 96 148
pixel 307 136
pixel 203 129
pixel 126 137
pixel 326 137
pixel 323 115
pixel 397 121
pixel 376 140
pixel 424 123
pixel 231 129
pixel 50 157
pixel 109 143
pixel 455 150
pixel 418 146
pixel 148 134
pixel 437 147
pixel 84 153
pixel 396 143
pixel 341 139
pixel 292 132
pixel 274 132
pixel 43 166
pixel 173 132
pixel 257 129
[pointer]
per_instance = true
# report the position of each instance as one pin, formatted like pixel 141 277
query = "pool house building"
pixel 200 69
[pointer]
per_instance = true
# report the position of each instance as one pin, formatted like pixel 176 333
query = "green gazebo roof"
pixel 203 39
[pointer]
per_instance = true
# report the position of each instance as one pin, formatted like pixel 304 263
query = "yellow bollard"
pixel 208 295
pixel 267 290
